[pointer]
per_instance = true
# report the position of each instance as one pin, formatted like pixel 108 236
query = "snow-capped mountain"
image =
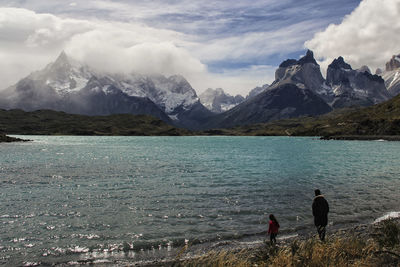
pixel 392 75
pixel 71 86
pixel 354 87
pixel 217 101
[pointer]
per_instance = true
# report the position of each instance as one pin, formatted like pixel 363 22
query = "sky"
pixel 234 45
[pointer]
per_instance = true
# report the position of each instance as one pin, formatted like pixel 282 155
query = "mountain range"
pixel 70 86
pixel 299 90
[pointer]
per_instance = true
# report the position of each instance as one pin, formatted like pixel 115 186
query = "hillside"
pixel 48 122
pixel 378 120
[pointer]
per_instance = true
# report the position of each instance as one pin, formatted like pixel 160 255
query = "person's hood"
pixel 318 196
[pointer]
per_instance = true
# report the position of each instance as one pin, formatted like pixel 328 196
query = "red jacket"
pixel 273 227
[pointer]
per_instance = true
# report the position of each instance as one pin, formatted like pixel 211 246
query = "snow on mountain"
pixel 354 87
pixel 392 75
pixel 64 75
pixel 69 85
pixel 217 101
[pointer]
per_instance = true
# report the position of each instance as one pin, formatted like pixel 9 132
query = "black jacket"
pixel 320 209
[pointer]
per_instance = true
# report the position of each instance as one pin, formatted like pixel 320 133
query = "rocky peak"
pixel 364 69
pixel 354 87
pixel 394 63
pixel 217 101
pixel 62 64
pixel 304 73
pixel 339 63
pixel 288 63
pixel 308 58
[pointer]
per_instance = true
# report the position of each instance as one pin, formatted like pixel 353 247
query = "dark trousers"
pixel 321 232
pixel 272 238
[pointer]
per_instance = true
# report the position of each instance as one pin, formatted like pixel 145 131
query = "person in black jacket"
pixel 320 209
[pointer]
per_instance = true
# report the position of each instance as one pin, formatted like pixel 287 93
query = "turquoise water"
pixel 65 199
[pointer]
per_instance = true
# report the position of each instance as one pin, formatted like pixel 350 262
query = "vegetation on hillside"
pixel 48 122
pixel 378 120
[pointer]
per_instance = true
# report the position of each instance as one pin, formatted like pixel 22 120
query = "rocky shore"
pixel 7 139
pixel 363 245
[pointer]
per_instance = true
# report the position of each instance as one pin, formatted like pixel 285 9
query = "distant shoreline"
pixel 363 137
pixel 8 139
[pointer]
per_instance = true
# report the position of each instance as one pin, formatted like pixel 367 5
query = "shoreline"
pixel 363 137
pixel 189 255
pixel 8 139
pixel 362 233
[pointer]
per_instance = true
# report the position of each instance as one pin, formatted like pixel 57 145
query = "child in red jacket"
pixel 273 228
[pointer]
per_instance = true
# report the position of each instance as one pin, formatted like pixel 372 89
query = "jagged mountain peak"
pixel 339 63
pixel 308 58
pixel 62 57
pixel 288 63
pixel 394 63
pixel 364 69
pixel 217 101
pixel 304 73
pixel 354 87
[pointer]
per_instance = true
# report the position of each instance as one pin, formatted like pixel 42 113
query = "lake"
pixel 72 199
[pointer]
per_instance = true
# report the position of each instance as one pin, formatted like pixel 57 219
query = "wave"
pixel 389 215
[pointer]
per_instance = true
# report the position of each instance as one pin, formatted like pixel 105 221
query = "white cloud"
pixel 237 81
pixel 29 40
pixel 368 36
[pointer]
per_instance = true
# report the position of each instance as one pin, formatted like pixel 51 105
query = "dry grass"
pixel 381 250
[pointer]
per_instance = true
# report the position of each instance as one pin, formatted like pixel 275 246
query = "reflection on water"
pixel 66 199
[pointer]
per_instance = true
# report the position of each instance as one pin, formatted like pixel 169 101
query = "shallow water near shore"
pixel 106 199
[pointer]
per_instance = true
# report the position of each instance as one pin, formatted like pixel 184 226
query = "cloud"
pixel 368 36
pixel 236 81
pixel 215 40
pixel 30 40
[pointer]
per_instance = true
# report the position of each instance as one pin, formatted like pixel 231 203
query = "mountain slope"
pixel 283 101
pixel 354 87
pixel 256 91
pixel 298 90
pixel 379 120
